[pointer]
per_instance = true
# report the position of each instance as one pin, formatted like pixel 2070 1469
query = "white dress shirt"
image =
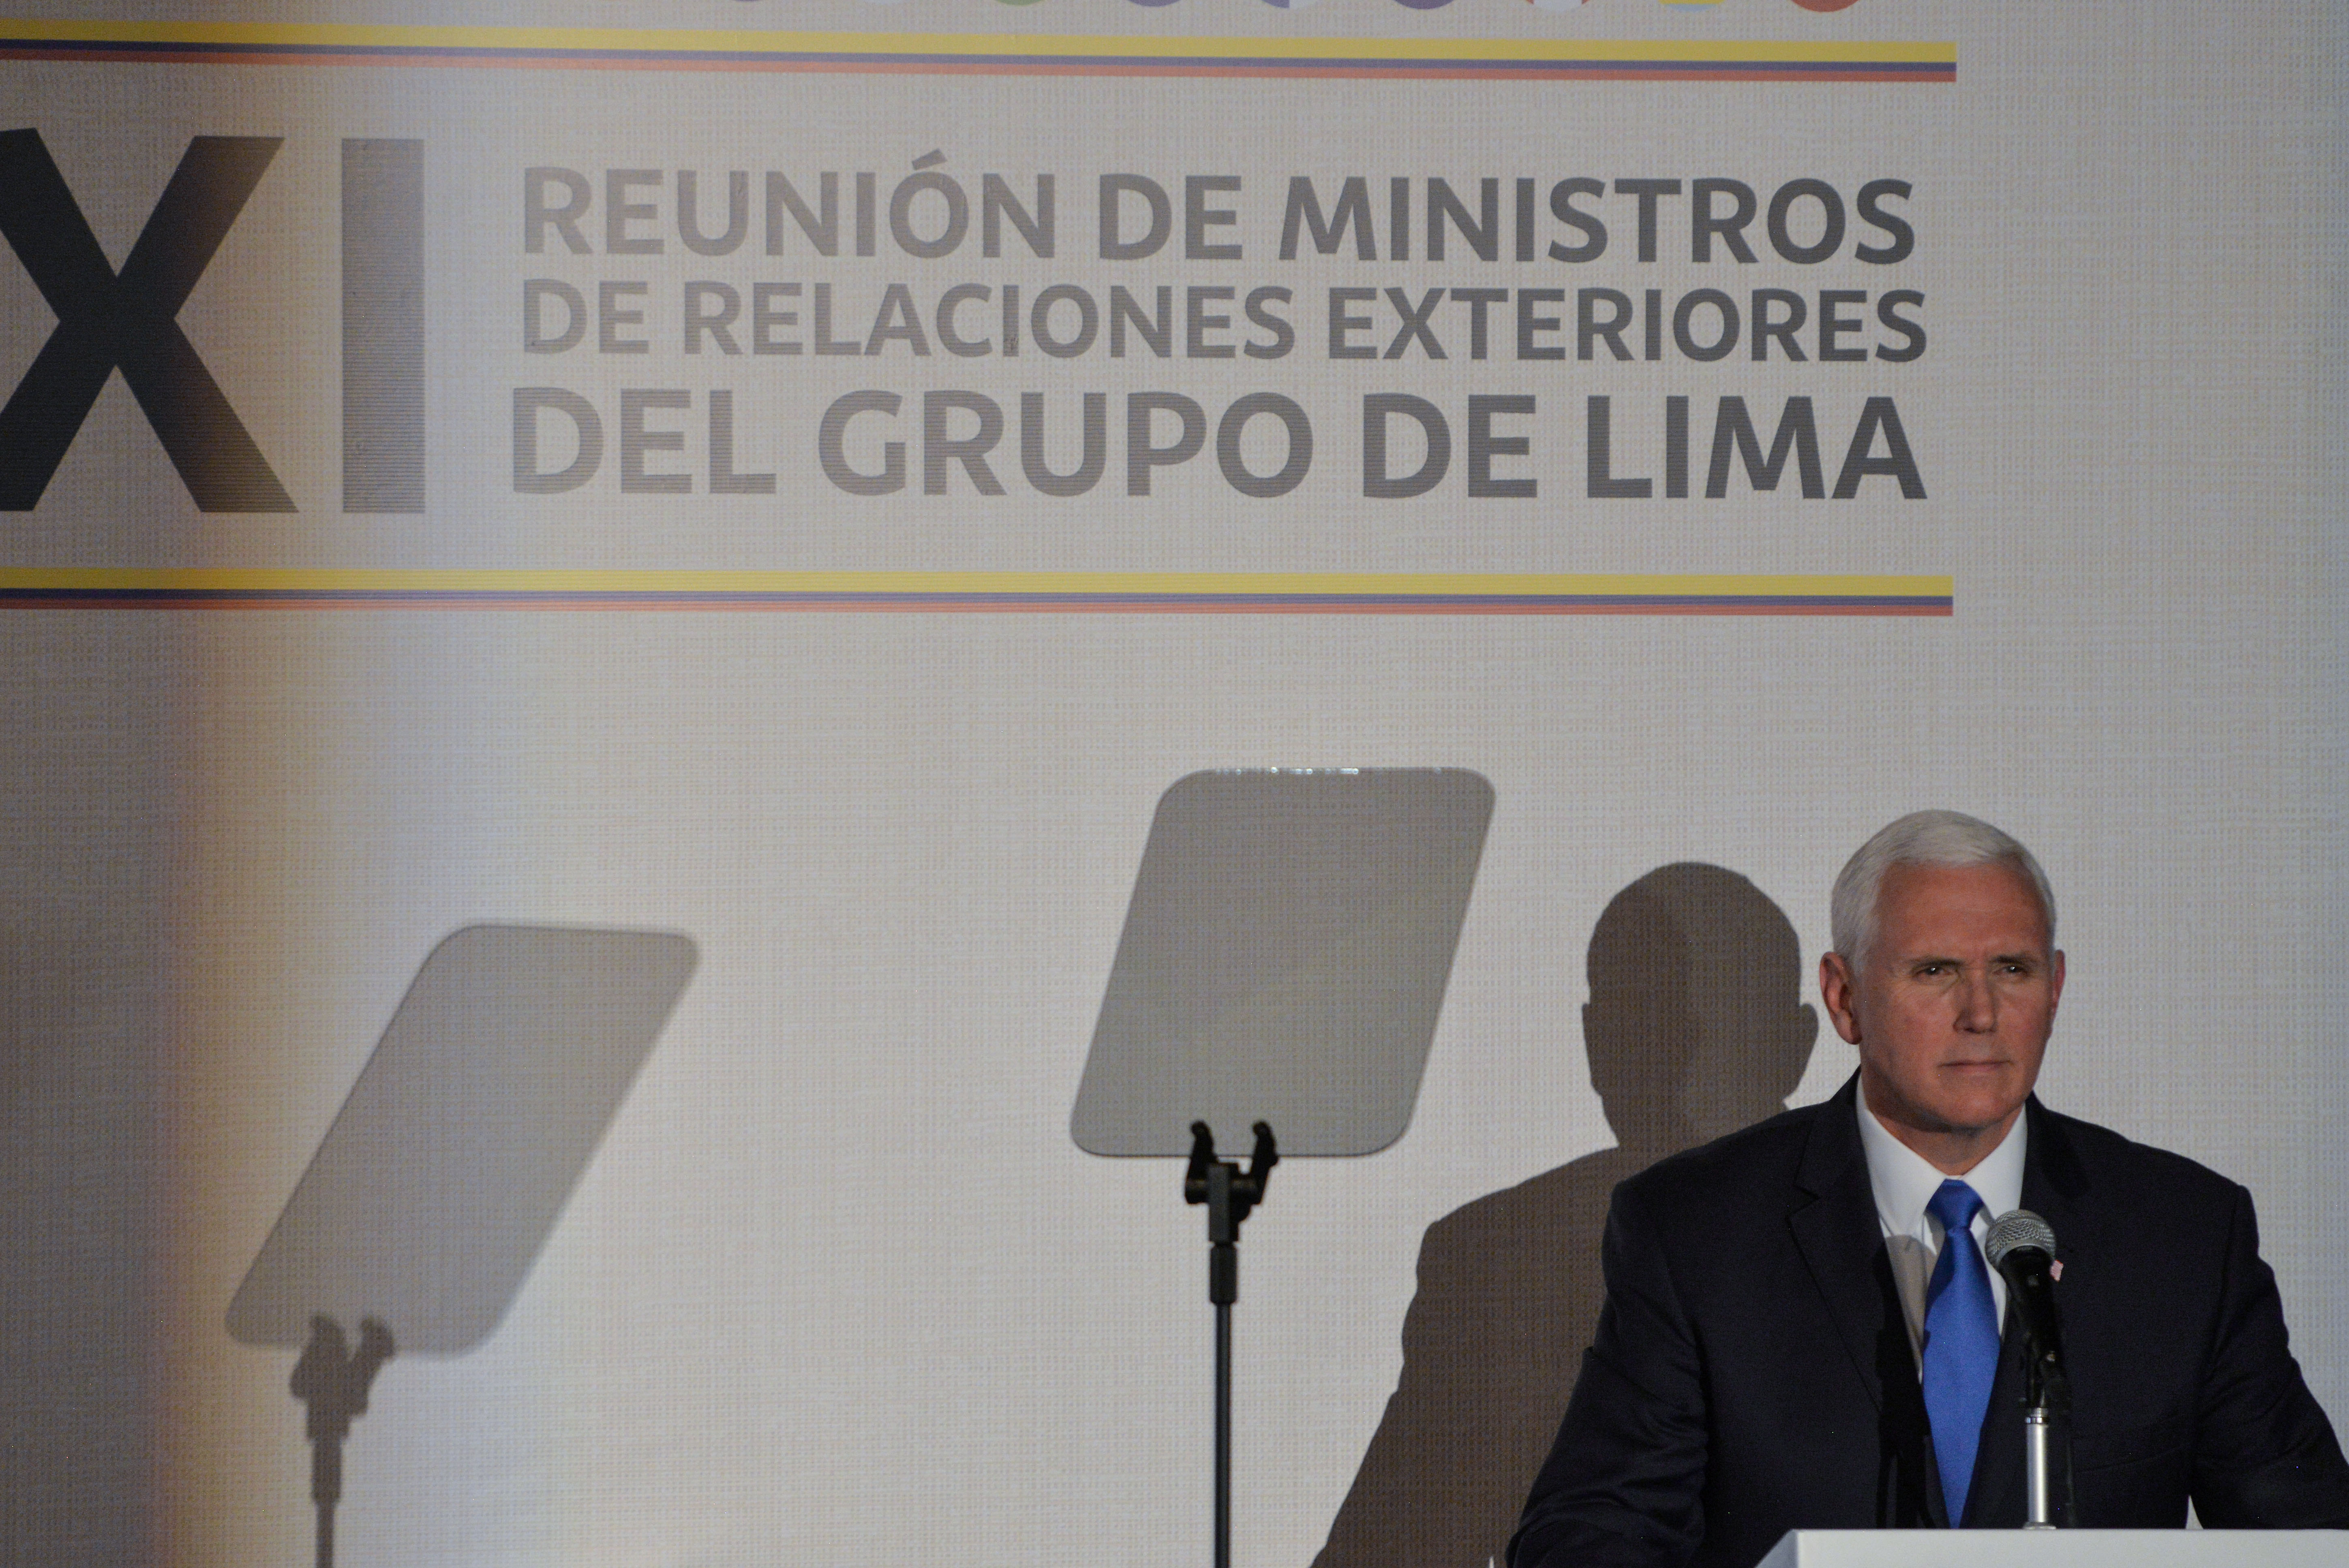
pixel 1905 1181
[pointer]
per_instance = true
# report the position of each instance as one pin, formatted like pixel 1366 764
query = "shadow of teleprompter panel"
pixel 443 1173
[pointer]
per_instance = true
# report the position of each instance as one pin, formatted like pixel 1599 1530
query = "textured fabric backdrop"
pixel 837 1286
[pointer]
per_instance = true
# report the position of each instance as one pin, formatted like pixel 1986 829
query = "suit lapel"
pixel 1835 1229
pixel 2055 1182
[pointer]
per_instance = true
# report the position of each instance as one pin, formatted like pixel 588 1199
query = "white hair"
pixel 1923 838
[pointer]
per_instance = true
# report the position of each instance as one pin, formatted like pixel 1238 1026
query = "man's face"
pixel 1953 1006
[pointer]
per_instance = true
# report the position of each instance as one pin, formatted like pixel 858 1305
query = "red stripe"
pixel 1303 70
pixel 899 606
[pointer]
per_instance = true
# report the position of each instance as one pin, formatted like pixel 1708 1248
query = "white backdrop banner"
pixel 808 479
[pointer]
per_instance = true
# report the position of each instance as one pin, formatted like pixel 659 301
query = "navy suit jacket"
pixel 1751 1372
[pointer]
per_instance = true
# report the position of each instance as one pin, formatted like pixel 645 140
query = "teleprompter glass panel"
pixel 1284 959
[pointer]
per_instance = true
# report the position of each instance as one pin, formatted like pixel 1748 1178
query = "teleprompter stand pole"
pixel 1229 1194
pixel 332 1380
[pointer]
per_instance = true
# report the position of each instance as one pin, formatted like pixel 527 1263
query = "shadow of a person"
pixel 1694 1028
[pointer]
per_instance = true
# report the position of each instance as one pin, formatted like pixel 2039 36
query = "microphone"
pixel 2022 1247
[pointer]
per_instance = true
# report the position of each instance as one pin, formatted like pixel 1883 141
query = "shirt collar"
pixel 1905 1181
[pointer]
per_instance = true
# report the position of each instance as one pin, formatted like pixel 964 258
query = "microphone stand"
pixel 1229 1193
pixel 2047 1399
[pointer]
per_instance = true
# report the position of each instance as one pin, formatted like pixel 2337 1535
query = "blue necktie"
pixel 1960 1344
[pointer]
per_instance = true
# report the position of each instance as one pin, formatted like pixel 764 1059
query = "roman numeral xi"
pixel 127 321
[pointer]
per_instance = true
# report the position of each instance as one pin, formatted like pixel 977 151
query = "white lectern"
pixel 2060 1549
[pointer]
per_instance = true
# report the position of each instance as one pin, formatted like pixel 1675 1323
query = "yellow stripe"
pixel 217 580
pixel 711 41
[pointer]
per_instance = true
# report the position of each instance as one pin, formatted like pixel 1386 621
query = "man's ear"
pixel 1836 989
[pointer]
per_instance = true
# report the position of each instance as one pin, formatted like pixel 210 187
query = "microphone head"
pixel 2017 1230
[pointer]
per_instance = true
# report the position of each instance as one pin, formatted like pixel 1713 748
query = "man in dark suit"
pixel 1799 1329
